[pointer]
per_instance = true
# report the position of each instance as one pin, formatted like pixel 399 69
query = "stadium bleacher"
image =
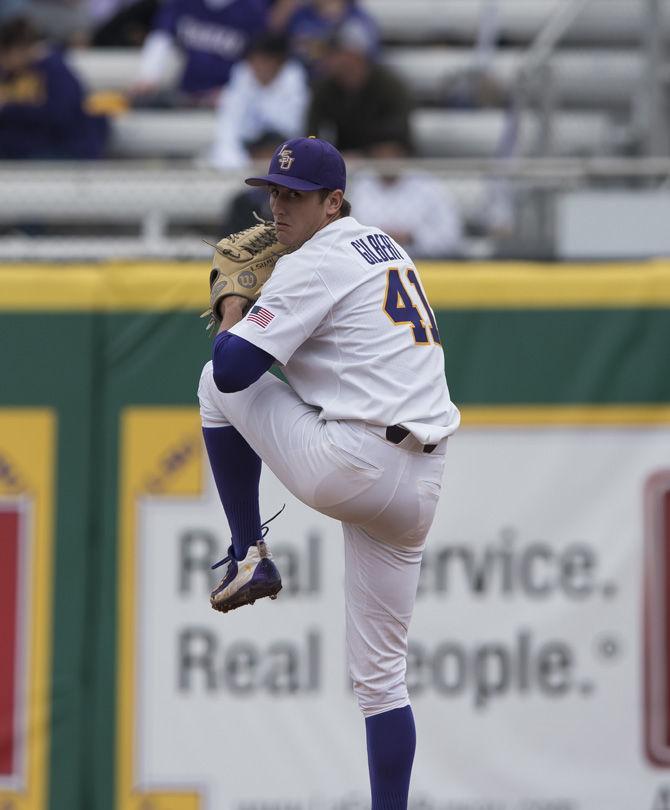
pixel 593 77
pixel 595 73
pixel 439 131
pixel 582 76
pixel 603 23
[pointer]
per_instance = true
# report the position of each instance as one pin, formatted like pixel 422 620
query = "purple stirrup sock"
pixel 391 742
pixel 237 471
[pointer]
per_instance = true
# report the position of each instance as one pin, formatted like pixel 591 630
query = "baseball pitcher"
pixel 359 433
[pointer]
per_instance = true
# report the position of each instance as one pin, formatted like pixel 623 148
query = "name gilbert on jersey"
pixel 379 248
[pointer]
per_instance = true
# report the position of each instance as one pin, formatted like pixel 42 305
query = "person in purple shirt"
pixel 42 111
pixel 309 26
pixel 211 36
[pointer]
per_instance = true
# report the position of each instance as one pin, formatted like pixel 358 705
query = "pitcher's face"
pixel 298 215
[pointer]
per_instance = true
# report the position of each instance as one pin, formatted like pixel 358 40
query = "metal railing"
pixel 64 212
pixel 533 85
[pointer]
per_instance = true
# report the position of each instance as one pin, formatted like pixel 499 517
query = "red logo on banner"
pixel 657 618
pixel 9 636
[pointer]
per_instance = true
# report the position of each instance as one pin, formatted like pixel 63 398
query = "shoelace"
pixel 264 530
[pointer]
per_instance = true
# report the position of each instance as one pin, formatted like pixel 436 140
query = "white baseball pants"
pixel 385 495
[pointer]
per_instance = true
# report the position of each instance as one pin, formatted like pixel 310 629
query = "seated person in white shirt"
pixel 267 91
pixel 413 207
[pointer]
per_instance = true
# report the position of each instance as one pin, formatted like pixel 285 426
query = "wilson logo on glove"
pixel 242 263
pixel 247 279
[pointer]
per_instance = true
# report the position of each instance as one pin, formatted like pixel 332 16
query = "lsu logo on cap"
pixel 286 159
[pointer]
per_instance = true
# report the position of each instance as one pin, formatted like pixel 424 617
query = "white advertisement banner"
pixel 527 663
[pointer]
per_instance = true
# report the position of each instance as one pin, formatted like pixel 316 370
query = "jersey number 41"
pixel 400 308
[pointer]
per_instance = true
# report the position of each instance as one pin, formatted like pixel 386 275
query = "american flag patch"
pixel 260 316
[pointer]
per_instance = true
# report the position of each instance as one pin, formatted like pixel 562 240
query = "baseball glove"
pixel 243 262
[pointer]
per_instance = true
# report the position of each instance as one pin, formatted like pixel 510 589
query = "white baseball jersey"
pixel 347 317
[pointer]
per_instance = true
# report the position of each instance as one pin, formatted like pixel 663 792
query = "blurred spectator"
pixel 65 22
pixel 121 23
pixel 11 8
pixel 210 35
pixel 41 101
pixel 240 212
pixel 477 85
pixel 357 100
pixel 101 10
pixel 266 91
pixel 412 206
pixel 310 25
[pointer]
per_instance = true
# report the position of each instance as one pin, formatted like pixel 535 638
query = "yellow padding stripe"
pixel 183 285
pixel 105 288
pixel 538 286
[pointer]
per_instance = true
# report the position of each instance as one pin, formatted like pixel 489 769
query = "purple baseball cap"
pixel 304 164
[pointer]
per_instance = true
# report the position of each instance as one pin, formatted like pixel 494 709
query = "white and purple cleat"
pixel 246 580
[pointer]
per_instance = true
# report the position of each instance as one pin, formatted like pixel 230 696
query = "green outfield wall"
pixel 86 350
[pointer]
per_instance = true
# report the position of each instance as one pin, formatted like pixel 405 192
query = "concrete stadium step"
pixel 593 77
pixel 602 22
pixel 438 133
